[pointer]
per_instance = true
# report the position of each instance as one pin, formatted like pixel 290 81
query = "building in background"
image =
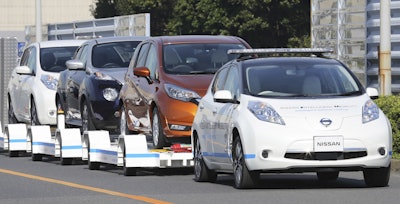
pixel 352 29
pixel 15 15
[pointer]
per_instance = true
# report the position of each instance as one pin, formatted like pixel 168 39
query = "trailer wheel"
pixel 13 153
pixel 129 171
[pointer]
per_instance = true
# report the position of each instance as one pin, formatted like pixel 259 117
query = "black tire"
pixel 328 176
pixel 159 140
pixel 242 176
pixel 13 153
pixel 66 161
pixel 11 116
pixel 123 126
pixel 377 177
pixel 36 157
pixel 34 114
pixel 87 121
pixel 201 172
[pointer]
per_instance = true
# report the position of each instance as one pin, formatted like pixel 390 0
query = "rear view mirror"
pixel 372 93
pixel 24 70
pixel 224 96
pixel 143 72
pixel 75 65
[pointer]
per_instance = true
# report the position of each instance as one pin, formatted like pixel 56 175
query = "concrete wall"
pixel 16 14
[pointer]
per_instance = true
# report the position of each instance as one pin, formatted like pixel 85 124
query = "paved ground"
pixel 396 165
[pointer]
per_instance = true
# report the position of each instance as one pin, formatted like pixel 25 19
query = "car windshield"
pixel 115 54
pixel 197 58
pixel 53 59
pixel 300 80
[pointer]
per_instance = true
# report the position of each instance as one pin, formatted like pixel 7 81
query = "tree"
pixel 267 23
pixel 263 23
pixel 160 12
pixel 104 9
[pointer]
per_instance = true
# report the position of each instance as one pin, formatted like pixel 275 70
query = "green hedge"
pixel 390 105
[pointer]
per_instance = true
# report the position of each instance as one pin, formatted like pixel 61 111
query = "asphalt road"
pixel 48 182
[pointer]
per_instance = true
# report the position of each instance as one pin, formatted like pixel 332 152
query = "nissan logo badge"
pixel 326 122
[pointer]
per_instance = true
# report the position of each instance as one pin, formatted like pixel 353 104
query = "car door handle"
pixel 214 111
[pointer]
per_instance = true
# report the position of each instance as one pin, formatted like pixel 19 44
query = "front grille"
pixel 323 156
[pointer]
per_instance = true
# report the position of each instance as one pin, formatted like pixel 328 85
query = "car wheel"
pixel 123 126
pixel 201 171
pixel 159 140
pixel 242 176
pixel 328 176
pixel 34 114
pixel 87 122
pixel 377 177
pixel 11 116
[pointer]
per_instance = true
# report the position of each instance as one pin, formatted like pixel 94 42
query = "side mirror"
pixel 23 70
pixel 372 93
pixel 143 72
pixel 224 96
pixel 75 65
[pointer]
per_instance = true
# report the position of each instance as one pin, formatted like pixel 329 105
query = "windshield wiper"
pixel 351 93
pixel 203 72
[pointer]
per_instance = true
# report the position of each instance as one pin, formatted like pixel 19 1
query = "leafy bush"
pixel 390 105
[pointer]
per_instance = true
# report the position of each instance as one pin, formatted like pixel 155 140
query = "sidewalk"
pixel 396 165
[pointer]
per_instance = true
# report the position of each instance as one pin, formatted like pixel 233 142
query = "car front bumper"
pixel 274 147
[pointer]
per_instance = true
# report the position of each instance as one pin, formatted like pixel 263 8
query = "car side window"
pixel 31 61
pixel 232 82
pixel 25 56
pixel 151 62
pixel 219 81
pixel 82 54
pixel 141 58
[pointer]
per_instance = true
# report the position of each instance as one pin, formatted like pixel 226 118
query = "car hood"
pixel 116 73
pixel 198 83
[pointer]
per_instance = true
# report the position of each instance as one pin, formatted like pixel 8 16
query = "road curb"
pixel 395 165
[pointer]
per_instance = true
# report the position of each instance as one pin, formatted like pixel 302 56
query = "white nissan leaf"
pixel 289 110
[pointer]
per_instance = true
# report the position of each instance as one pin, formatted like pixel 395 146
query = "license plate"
pixel 328 144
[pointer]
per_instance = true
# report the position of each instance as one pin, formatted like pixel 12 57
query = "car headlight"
pixel 49 81
pixel 180 93
pixel 265 112
pixel 110 94
pixel 370 112
pixel 102 76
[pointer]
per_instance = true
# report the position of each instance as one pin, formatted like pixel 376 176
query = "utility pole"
pixel 385 73
pixel 38 20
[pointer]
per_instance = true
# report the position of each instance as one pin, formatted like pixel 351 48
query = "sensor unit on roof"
pixel 280 50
